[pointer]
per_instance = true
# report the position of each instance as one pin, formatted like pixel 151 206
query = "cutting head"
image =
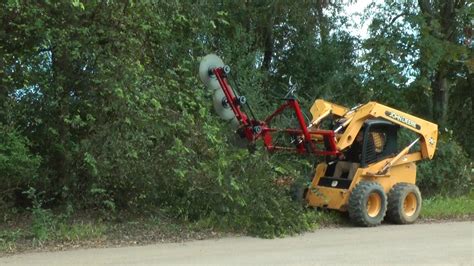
pixel 221 106
pixel 208 63
pixel 213 84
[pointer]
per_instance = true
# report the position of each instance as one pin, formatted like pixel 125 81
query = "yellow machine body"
pixel 335 198
pixel 395 169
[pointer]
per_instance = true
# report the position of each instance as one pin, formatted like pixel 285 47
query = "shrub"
pixel 449 173
pixel 18 166
pixel 253 201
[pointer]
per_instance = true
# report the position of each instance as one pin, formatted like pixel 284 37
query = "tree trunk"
pixel 470 81
pixel 61 93
pixel 268 42
pixel 444 13
pixel 322 21
pixel 440 88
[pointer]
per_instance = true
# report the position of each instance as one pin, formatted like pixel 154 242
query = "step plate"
pixel 335 182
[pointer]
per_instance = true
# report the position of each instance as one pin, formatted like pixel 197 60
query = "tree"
pixel 441 37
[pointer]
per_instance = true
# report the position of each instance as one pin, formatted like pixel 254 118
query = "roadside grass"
pixel 9 238
pixel 53 232
pixel 80 231
pixel 329 218
pixel 442 207
pixel 28 237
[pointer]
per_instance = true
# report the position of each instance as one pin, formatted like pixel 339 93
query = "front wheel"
pixel 367 204
pixel 404 203
pixel 298 192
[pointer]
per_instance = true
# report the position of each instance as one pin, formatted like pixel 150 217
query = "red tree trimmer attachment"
pixel 228 104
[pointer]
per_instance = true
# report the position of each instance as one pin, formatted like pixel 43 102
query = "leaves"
pixel 102 106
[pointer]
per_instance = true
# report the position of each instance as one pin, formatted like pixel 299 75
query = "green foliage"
pixel 259 206
pixel 79 231
pixel 43 221
pixel 46 226
pixel 8 239
pixel 18 166
pixel 451 171
pixel 102 108
pixel 460 116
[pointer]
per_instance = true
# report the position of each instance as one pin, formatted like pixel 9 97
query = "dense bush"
pixel 18 166
pixel 109 113
pixel 450 172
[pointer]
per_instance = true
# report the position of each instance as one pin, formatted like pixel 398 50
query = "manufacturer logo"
pixel 402 119
pixel 431 141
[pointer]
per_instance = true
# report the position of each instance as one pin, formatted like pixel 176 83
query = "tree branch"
pixel 397 17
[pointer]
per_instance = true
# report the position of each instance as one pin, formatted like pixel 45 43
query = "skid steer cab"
pixel 364 169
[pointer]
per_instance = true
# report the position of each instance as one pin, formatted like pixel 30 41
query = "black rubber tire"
pixel 396 200
pixel 298 192
pixel 358 199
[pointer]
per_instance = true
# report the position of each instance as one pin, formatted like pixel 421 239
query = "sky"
pixel 355 11
pixel 359 29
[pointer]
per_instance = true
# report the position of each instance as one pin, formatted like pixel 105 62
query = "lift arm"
pixel 397 157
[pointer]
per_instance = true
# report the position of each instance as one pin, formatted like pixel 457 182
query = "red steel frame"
pixel 255 129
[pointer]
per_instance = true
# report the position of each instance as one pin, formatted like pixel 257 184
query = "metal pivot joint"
pixel 241 100
pixel 226 69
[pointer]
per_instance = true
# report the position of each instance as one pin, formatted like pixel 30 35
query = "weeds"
pixel 8 239
pixel 79 231
pixel 43 221
pixel 440 207
pixel 45 226
pixel 48 229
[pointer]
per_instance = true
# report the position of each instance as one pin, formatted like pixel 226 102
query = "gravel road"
pixel 449 243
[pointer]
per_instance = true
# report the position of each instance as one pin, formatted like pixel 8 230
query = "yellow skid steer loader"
pixel 364 171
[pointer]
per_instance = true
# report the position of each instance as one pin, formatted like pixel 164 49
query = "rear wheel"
pixel 367 204
pixel 404 203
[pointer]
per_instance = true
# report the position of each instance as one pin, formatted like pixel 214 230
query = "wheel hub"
pixel 409 204
pixel 374 204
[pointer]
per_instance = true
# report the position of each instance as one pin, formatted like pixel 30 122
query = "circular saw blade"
pixel 222 109
pixel 209 62
pixel 213 84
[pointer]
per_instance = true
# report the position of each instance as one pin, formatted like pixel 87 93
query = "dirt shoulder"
pixel 87 233
pixel 385 244
pixel 19 235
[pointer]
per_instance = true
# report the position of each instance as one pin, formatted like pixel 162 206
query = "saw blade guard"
pixel 221 106
pixel 208 63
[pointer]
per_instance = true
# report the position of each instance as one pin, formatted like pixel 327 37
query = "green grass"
pixel 325 218
pixel 12 240
pixel 8 239
pixel 448 207
pixel 58 231
pixel 79 231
